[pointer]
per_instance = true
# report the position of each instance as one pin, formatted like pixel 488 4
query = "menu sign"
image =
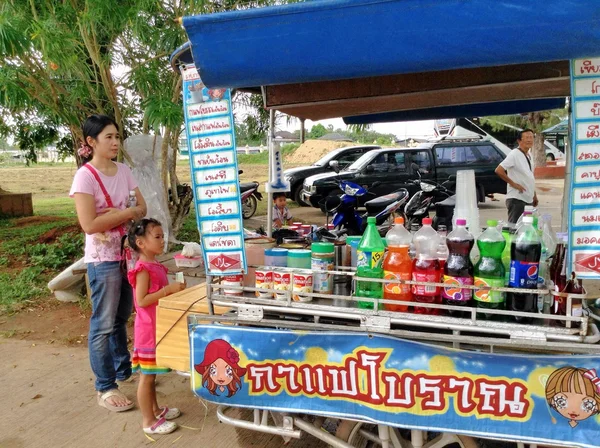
pixel 584 212
pixel 213 162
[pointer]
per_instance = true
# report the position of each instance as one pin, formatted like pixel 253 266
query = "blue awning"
pixel 341 39
pixel 467 110
pixel 560 128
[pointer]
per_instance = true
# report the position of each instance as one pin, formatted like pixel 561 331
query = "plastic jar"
pixel 276 257
pixel 353 243
pixel 299 259
pixel 322 259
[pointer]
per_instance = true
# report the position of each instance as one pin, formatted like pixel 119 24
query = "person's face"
pixel 574 406
pixel 526 141
pixel 221 372
pixel 153 241
pixel 106 145
pixel 280 202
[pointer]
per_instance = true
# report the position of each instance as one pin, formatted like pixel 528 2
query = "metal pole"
pixel 564 222
pixel 271 173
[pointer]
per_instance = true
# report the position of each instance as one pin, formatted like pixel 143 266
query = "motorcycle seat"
pixel 449 201
pixel 374 206
pixel 245 186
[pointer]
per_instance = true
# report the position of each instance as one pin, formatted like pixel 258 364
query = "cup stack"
pixel 466 201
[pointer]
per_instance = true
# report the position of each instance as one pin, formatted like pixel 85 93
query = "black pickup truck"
pixel 341 158
pixel 394 168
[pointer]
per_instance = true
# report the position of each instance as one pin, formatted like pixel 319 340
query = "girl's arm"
pixel 142 283
pixel 109 219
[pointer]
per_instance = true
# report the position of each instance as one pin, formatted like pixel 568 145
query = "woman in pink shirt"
pixel 101 189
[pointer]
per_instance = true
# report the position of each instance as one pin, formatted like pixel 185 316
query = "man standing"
pixel 516 170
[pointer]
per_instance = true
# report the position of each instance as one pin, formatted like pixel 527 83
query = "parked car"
pixel 340 158
pixel 393 168
pixel 552 152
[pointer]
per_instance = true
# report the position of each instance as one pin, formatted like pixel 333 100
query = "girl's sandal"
pixel 161 427
pixel 169 413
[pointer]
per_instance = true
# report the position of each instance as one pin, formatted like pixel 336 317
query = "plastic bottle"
pixel 132 199
pixel 490 271
pixel 414 228
pixel 426 268
pixel 369 264
pixel 527 212
pixel 525 253
pixel 507 232
pixel 397 265
pixel 458 269
pixel 442 251
pixel 573 286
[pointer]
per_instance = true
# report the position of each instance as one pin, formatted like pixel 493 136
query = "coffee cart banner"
pixel 584 207
pixel 213 163
pixel 541 399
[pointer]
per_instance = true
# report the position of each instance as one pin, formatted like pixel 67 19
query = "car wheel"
pixel 297 196
pixel 550 158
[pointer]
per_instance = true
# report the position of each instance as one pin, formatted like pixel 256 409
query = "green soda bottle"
pixel 369 264
pixel 489 270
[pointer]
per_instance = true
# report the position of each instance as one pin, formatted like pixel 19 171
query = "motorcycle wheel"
pixel 249 207
pixel 409 221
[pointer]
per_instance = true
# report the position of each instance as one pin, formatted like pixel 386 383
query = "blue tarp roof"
pixel 467 110
pixel 560 128
pixel 339 39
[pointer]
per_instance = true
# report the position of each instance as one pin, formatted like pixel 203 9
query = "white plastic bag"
pixel 191 250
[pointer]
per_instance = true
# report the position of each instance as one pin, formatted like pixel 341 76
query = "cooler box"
pixel 173 347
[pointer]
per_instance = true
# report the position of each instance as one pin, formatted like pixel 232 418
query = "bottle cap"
pixel 461 222
pixel 528 219
pixel 276 252
pixel 399 220
pixel 529 208
pixel 322 248
pixel 371 219
pixel 131 192
pixel 492 223
pixel 427 221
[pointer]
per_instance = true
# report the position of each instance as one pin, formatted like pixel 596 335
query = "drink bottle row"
pixel 526 257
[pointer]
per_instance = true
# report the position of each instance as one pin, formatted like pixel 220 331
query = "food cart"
pixel 363 377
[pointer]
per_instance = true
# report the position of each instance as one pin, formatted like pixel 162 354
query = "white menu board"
pixel 584 209
pixel 213 162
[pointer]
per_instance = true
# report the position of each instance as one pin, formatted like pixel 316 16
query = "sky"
pixel 399 129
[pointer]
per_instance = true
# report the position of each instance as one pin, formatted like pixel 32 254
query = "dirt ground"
pixel 312 150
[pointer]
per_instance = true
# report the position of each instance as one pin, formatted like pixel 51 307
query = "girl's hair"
pixel 92 127
pixel 232 388
pixel 139 228
pixel 570 379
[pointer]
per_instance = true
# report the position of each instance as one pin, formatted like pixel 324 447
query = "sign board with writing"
pixel 386 380
pixel 213 162
pixel 584 209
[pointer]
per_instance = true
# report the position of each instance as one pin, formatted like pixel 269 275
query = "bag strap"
pixel 95 174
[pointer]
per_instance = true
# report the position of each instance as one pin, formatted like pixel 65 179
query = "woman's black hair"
pixel 139 228
pixel 93 126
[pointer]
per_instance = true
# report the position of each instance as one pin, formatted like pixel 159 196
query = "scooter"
pixel 250 197
pixel 346 217
pixel 419 205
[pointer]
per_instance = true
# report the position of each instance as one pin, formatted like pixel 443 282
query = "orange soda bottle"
pixel 397 265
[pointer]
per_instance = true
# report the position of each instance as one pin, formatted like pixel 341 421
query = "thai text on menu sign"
pixel 584 213
pixel 213 163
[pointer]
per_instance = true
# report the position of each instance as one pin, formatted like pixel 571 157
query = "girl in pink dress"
pixel 150 284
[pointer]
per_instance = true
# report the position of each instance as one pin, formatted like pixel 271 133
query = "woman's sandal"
pixel 169 413
pixel 161 427
pixel 102 401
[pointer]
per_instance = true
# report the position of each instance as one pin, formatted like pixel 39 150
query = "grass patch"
pixel 262 158
pixel 16 290
pixel 63 206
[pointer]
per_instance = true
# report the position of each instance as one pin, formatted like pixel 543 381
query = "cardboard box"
pixel 173 347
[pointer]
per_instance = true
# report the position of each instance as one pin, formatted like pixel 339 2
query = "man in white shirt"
pixel 516 170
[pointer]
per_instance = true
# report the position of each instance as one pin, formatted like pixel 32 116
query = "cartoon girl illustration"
pixel 574 393
pixel 219 368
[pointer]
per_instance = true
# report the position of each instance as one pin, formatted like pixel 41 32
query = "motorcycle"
pixel 250 197
pixel 422 201
pixel 346 217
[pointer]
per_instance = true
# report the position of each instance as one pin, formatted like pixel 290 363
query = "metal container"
pixel 282 282
pixel 264 279
pixel 302 282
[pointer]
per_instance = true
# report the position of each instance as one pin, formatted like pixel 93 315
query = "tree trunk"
pixel 539 152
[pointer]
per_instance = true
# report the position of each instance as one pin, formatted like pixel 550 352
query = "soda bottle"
pixel 442 251
pixel 529 209
pixel 508 233
pixel 573 286
pixel 397 265
pixel 369 264
pixel 489 270
pixel 525 253
pixel 426 268
pixel 458 269
pixel 559 307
